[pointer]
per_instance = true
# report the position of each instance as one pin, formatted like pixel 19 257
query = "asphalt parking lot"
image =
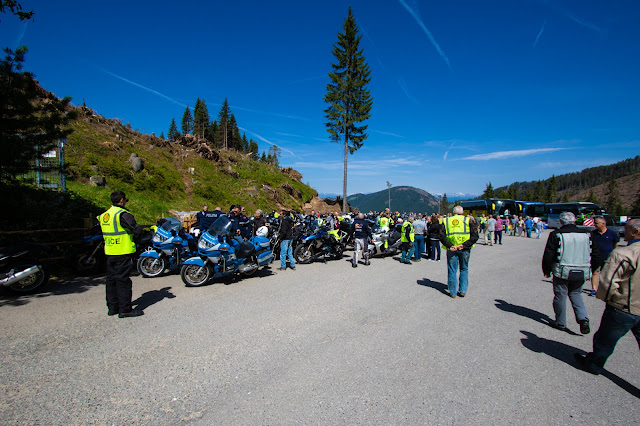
pixel 325 344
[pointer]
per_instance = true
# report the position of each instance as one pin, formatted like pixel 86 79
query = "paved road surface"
pixel 326 344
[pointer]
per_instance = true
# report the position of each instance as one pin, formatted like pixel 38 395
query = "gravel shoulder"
pixel 325 344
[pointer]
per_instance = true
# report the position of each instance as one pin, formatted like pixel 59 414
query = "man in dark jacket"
pixel 567 258
pixel 362 235
pixel 286 237
pixel 259 220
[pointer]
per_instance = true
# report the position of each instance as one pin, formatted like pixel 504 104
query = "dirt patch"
pixel 324 205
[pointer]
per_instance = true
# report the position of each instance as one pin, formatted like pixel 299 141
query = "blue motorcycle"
pixel 171 246
pixel 321 244
pixel 221 255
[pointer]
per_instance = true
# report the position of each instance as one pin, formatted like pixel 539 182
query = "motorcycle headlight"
pixel 157 238
pixel 204 244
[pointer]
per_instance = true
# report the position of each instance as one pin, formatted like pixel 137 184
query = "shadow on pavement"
pixel 55 287
pixel 442 288
pixel 528 313
pixel 152 297
pixel 564 353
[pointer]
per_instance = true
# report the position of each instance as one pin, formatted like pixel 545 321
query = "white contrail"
pixel 426 30
pixel 499 155
pixel 155 92
pixel 275 114
pixel 263 139
pixel 22 33
pixel 389 134
pixel 539 34
pixel 405 90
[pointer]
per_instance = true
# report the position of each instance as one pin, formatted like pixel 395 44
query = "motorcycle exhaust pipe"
pixel 19 276
pixel 248 268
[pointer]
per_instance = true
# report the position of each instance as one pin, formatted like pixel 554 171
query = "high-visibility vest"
pixel 117 240
pixel 403 237
pixel 457 229
pixel 384 221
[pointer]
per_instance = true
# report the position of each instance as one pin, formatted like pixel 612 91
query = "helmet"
pixel 263 231
pixel 399 221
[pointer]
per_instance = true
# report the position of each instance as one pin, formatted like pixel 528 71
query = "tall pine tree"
pixel 552 190
pixel 348 97
pixel 187 121
pixel 173 131
pixel 200 118
pixel 488 191
pixel 444 204
pixel 223 124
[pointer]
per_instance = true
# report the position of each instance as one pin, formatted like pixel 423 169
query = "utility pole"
pixel 389 189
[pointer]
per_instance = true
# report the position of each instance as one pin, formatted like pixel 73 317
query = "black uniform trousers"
pixel 119 286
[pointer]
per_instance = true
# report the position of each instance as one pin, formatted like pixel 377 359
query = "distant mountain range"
pixel 403 199
pixel 457 196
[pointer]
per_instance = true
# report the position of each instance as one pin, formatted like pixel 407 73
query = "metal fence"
pixel 48 169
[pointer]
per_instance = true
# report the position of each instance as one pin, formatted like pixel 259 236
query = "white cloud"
pixel 501 155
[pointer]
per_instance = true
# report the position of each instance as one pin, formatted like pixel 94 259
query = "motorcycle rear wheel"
pixel 31 283
pixel 303 254
pixel 195 275
pixel 151 267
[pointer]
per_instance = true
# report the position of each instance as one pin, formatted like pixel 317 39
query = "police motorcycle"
pixel 221 255
pixel 20 269
pixel 386 242
pixel 320 244
pixel 171 246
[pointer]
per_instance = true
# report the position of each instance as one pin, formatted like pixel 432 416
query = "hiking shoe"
pixel 584 326
pixel 462 294
pixel 557 326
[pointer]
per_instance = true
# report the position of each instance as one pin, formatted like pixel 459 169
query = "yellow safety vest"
pixel 403 237
pixel 457 229
pixel 384 221
pixel 117 240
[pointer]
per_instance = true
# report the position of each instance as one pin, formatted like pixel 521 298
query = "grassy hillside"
pixel 403 199
pixel 175 176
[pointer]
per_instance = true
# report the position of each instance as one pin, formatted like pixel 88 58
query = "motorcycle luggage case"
pixel 244 250
pixel 264 257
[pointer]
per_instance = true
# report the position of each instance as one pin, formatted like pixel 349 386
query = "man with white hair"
pixel 570 256
pixel 619 287
pixel 458 235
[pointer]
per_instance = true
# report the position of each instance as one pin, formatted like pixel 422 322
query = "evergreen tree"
pixel 513 192
pixel 503 194
pixel 565 197
pixel 212 134
pixel 162 135
pixel 223 124
pixel 173 131
pixel 274 154
pixel 263 157
pixel 200 118
pixel 529 196
pixel 187 121
pixel 444 204
pixel 348 97
pixel 245 143
pixel 592 197
pixel 489 192
pixel 30 125
pixel 552 190
pixel 234 141
pixel 613 203
pixel 538 191
pixel 253 148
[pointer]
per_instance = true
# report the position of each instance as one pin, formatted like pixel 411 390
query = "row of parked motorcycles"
pixel 216 254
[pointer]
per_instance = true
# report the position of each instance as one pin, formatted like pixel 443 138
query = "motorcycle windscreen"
pixel 221 227
pixel 171 224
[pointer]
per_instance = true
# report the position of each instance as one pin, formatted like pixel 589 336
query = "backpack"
pixel 574 257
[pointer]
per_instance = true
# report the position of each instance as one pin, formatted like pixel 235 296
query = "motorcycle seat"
pixel 245 250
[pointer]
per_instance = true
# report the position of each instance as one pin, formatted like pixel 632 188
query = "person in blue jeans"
pixel 285 233
pixel 619 287
pixel 528 224
pixel 458 235
pixel 419 228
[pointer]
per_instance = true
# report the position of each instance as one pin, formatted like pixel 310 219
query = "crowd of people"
pixel 572 256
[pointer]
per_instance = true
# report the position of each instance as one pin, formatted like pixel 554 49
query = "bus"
pixel 487 206
pixel 531 209
pixel 579 208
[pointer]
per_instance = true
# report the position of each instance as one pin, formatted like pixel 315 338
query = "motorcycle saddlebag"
pixel 265 257
pixel 245 249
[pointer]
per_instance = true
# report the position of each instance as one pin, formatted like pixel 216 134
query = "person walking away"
pixel 419 229
pixel 514 225
pixel 619 287
pixel 458 236
pixel 607 241
pixel 491 229
pixel 119 230
pixel 538 227
pixel 434 237
pixel 570 255
pixel 528 224
pixel 407 239
pixel 285 235
pixel 362 234
pixel 499 226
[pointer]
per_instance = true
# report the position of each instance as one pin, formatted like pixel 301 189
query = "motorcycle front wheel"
pixel 194 275
pixel 303 254
pixel 151 267
pixel 30 283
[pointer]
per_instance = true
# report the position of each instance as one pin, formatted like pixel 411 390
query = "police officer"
pixel 234 213
pixel 244 224
pixel 119 228
pixel 206 218
pixel 362 235
pixel 457 236
pixel 407 237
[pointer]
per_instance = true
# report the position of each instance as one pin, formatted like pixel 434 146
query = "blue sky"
pixel 465 92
